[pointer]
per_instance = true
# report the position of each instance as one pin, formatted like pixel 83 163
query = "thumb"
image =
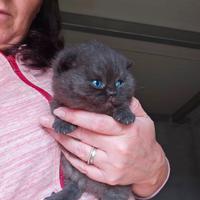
pixel 137 109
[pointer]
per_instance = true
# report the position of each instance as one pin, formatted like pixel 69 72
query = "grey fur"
pixel 74 68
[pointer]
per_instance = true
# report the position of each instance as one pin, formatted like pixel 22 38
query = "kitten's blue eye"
pixel 118 83
pixel 97 84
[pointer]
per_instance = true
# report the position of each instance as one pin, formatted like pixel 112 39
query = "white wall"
pixel 180 14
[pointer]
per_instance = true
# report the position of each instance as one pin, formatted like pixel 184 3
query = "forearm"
pixel 149 189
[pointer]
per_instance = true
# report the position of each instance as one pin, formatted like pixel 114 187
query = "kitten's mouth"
pixel 111 101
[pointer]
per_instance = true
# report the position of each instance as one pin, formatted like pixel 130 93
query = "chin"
pixel 6 40
pixel 4 46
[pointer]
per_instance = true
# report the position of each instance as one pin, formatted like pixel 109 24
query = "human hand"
pixel 125 154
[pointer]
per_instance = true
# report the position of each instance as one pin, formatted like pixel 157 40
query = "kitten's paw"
pixel 63 127
pixel 124 117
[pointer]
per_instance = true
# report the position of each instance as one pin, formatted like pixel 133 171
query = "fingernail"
pixel 44 120
pixel 59 113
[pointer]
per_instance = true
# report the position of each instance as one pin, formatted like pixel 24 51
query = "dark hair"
pixel 43 39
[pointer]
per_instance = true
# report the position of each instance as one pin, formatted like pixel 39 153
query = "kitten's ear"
pixel 130 64
pixel 64 61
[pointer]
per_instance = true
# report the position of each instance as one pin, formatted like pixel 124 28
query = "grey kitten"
pixel 92 77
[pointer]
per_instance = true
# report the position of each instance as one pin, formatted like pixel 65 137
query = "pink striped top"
pixel 29 157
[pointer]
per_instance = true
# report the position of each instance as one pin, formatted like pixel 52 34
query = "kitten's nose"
pixel 111 92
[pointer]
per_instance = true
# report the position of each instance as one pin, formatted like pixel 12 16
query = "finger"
pixel 89 170
pixel 100 123
pixel 92 139
pixel 82 150
pixel 76 147
pixel 47 121
pixel 88 137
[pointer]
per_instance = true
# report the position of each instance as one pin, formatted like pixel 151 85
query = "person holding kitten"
pixel 100 147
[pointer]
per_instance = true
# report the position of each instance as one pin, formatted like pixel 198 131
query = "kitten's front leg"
pixel 123 115
pixel 59 125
